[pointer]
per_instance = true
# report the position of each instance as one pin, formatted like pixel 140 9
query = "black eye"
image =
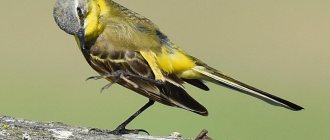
pixel 80 12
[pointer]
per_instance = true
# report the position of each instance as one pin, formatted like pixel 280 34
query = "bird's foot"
pixel 113 75
pixel 118 131
pixel 98 131
pixel 122 130
pixel 120 74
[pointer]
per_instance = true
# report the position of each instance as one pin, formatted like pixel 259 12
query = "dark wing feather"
pixel 168 94
pixel 106 60
pixel 197 83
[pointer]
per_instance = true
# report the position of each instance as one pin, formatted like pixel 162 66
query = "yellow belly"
pixel 174 62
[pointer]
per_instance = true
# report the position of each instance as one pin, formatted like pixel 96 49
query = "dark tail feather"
pixel 231 83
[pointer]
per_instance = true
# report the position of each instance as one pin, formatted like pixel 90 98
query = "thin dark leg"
pixel 118 73
pixel 121 129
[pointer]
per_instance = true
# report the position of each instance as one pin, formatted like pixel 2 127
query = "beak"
pixel 82 42
pixel 81 38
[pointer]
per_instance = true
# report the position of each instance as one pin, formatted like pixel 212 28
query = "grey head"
pixel 69 15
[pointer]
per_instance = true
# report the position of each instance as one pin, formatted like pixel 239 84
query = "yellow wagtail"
pixel 127 48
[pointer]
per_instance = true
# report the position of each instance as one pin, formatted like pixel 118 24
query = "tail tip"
pixel 298 108
pixel 203 113
pixel 295 107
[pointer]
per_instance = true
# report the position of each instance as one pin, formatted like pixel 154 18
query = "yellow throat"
pixel 94 26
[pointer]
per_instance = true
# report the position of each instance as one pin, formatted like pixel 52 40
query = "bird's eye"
pixel 80 12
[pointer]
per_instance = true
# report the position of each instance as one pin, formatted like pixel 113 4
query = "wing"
pixel 106 59
pixel 127 30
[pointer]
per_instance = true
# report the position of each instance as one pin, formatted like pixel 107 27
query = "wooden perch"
pixel 13 128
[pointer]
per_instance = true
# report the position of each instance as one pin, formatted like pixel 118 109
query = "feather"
pixel 229 82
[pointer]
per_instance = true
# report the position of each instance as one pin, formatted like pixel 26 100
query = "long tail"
pixel 216 77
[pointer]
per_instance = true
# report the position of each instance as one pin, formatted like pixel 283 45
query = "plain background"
pixel 281 46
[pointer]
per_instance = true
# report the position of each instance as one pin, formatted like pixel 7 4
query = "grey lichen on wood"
pixel 13 128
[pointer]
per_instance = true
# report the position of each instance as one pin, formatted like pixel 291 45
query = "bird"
pixel 128 49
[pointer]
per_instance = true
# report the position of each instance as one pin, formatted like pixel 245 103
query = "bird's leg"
pixel 109 85
pixel 115 80
pixel 124 74
pixel 158 82
pixel 121 129
pixel 115 75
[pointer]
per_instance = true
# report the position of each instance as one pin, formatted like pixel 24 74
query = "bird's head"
pixel 70 15
pixel 81 18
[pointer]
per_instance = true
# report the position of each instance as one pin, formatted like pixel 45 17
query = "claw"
pixel 108 85
pixel 114 74
pixel 118 131
pixel 123 131
pixel 97 130
pixel 95 78
pixel 141 130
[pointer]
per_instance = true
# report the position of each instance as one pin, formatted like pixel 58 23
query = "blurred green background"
pixel 279 46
